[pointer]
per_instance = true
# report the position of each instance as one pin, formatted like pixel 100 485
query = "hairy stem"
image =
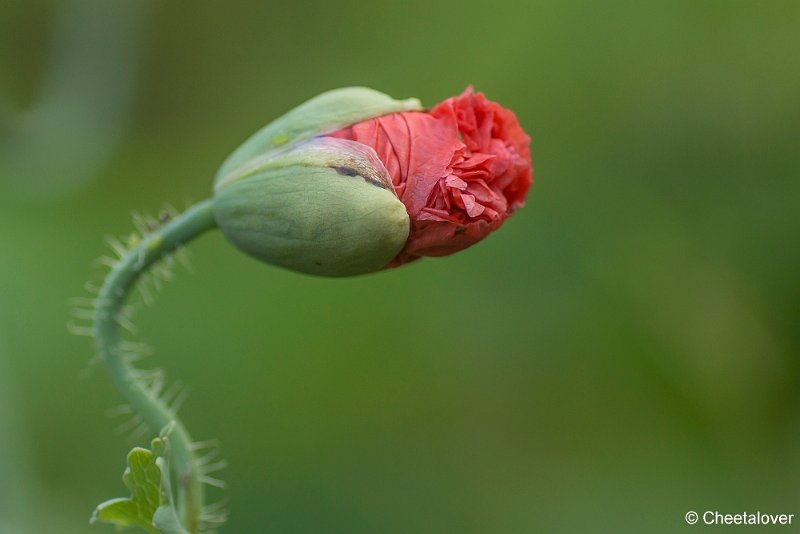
pixel 154 411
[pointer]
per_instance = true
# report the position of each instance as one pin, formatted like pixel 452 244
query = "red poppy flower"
pixel 460 169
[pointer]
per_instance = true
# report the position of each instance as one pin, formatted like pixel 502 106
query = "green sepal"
pixel 326 207
pixel 324 113
pixel 150 505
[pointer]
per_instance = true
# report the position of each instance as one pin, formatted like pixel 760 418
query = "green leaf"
pixel 166 519
pixel 149 507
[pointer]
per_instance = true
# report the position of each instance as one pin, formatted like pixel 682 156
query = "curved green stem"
pixel 156 413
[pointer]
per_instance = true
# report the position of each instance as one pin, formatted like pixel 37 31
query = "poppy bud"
pixel 353 181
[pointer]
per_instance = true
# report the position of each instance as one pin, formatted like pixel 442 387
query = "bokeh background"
pixel 623 351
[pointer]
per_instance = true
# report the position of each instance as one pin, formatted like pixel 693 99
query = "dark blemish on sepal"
pixel 346 171
pixel 349 171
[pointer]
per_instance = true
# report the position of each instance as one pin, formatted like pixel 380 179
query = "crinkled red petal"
pixel 460 169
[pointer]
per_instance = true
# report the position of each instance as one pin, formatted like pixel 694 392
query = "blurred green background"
pixel 623 351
